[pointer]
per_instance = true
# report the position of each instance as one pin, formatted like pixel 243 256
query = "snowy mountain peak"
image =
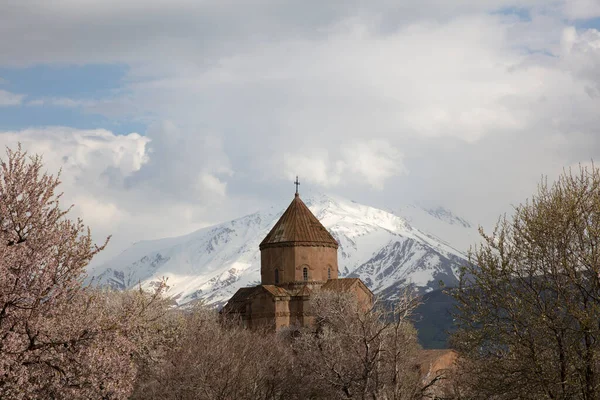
pixel 383 249
pixel 447 216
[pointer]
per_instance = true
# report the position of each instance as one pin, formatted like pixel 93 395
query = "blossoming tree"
pixel 58 338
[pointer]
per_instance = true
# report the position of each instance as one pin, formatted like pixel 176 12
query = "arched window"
pixel 276 276
pixel 305 273
pixel 328 273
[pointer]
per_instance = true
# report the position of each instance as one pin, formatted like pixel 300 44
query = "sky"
pixel 168 116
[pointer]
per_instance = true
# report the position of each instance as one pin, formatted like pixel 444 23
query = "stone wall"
pixel 269 312
pixel 321 264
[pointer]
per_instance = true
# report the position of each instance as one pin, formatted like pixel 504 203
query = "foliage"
pixel 214 359
pixel 529 302
pixel 59 339
pixel 361 351
pixel 357 352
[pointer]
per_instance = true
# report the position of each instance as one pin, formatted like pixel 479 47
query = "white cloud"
pixel 462 78
pixel 438 91
pixel 10 99
pixel 99 175
pixel 368 163
pixel 87 158
pixel 582 8
pixel 42 31
pixel 211 183
pixel 79 152
pixel 61 102
pixel 312 165
pixel 374 160
pixel 476 103
pixel 581 56
pixel 183 164
pixel 98 213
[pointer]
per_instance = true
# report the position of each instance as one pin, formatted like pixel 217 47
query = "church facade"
pixel 298 258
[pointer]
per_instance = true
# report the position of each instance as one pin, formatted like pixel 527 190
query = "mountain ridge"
pixel 383 249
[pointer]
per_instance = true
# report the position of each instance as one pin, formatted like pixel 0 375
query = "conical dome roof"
pixel 298 227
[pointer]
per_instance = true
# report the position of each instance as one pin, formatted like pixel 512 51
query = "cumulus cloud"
pixel 368 162
pixel 106 177
pixel 312 164
pixel 79 152
pixel 84 157
pixel 374 160
pixel 183 164
pixel 581 56
pixel 98 213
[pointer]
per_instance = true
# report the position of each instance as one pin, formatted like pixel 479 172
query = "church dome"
pixel 298 227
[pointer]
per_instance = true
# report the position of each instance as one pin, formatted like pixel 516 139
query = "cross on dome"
pixel 297 183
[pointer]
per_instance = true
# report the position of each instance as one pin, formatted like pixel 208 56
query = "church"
pixel 298 258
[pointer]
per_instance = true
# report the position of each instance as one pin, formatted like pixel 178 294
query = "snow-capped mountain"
pixel 442 225
pixel 383 249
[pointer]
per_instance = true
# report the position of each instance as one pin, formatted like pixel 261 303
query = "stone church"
pixel 298 257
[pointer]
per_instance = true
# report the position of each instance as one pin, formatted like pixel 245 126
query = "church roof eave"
pixel 296 244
